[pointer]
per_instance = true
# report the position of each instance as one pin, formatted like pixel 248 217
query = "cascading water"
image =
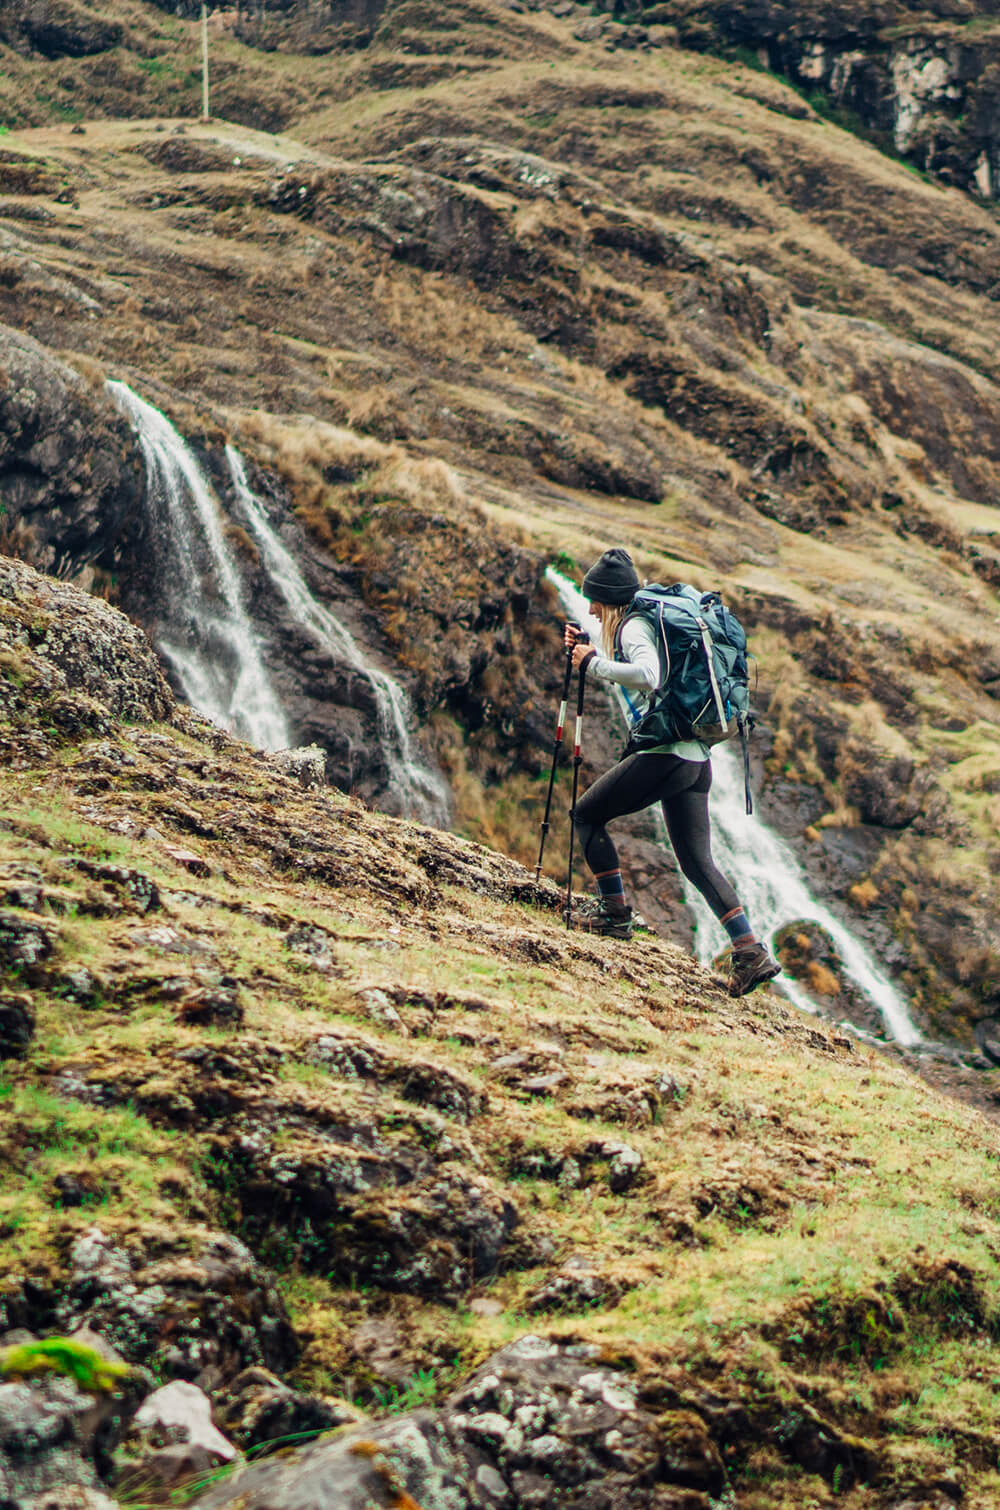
pixel 765 873
pixel 207 635
pixel 421 792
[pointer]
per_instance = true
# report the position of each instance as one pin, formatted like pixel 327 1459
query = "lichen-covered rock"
pixel 25 941
pixel 55 1436
pixel 70 665
pixel 352 1203
pixel 539 1420
pixel 257 1409
pixel 579 1285
pixel 201 1317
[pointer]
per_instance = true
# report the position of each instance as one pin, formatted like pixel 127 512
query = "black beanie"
pixel 612 579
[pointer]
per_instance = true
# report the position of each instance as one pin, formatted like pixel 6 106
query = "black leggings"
pixel 681 787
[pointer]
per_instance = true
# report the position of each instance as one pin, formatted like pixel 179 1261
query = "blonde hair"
pixel 614 613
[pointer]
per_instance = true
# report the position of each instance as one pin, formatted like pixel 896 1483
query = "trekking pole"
pixel 560 724
pixel 576 778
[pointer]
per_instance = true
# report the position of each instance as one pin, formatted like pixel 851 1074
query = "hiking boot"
pixel 595 916
pixel 749 968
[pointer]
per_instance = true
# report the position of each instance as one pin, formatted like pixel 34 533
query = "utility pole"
pixel 204 63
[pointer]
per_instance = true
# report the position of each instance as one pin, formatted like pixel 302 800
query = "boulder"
pixel 56 1438
pixel 172 1441
pixel 203 1317
pixel 539 1421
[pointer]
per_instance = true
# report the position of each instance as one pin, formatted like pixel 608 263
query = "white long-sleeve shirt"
pixel 639 677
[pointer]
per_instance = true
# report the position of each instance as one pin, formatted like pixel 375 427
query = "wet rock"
pixel 71 471
pixel 257 1408
pixel 888 791
pixel 17 1024
pixel 808 953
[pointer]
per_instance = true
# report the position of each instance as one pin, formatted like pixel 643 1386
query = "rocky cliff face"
pixel 922 81
pixel 71 474
pixel 535 295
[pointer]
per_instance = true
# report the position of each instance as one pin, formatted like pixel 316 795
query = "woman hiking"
pixel 678 775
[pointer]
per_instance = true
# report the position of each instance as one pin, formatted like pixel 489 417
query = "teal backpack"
pixel 704 690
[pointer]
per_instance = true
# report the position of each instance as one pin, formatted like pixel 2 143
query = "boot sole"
pixel 760 978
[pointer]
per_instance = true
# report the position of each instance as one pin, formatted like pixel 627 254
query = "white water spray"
pixel 208 638
pixel 421 792
pixel 764 871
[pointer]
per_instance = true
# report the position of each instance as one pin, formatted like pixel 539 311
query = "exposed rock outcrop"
pixel 920 78
pixel 71 474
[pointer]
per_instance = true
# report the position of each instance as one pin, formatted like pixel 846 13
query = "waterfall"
pixel 207 635
pixel 767 877
pixel 422 792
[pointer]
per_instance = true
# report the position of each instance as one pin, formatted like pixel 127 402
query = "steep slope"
pixel 298 1092
pixel 650 297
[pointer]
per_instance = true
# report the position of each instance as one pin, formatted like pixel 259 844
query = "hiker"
pixel 678 775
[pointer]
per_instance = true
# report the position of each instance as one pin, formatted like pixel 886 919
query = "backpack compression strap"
pixel 706 640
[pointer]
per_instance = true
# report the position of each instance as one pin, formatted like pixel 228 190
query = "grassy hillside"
pixel 649 297
pixel 374 1054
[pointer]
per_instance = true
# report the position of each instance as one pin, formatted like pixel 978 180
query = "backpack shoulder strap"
pixel 650 613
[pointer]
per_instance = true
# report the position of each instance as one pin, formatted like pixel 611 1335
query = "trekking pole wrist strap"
pixel 590 656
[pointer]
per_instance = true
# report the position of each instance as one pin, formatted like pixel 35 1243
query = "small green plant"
pixel 60 1355
pixel 420 1389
